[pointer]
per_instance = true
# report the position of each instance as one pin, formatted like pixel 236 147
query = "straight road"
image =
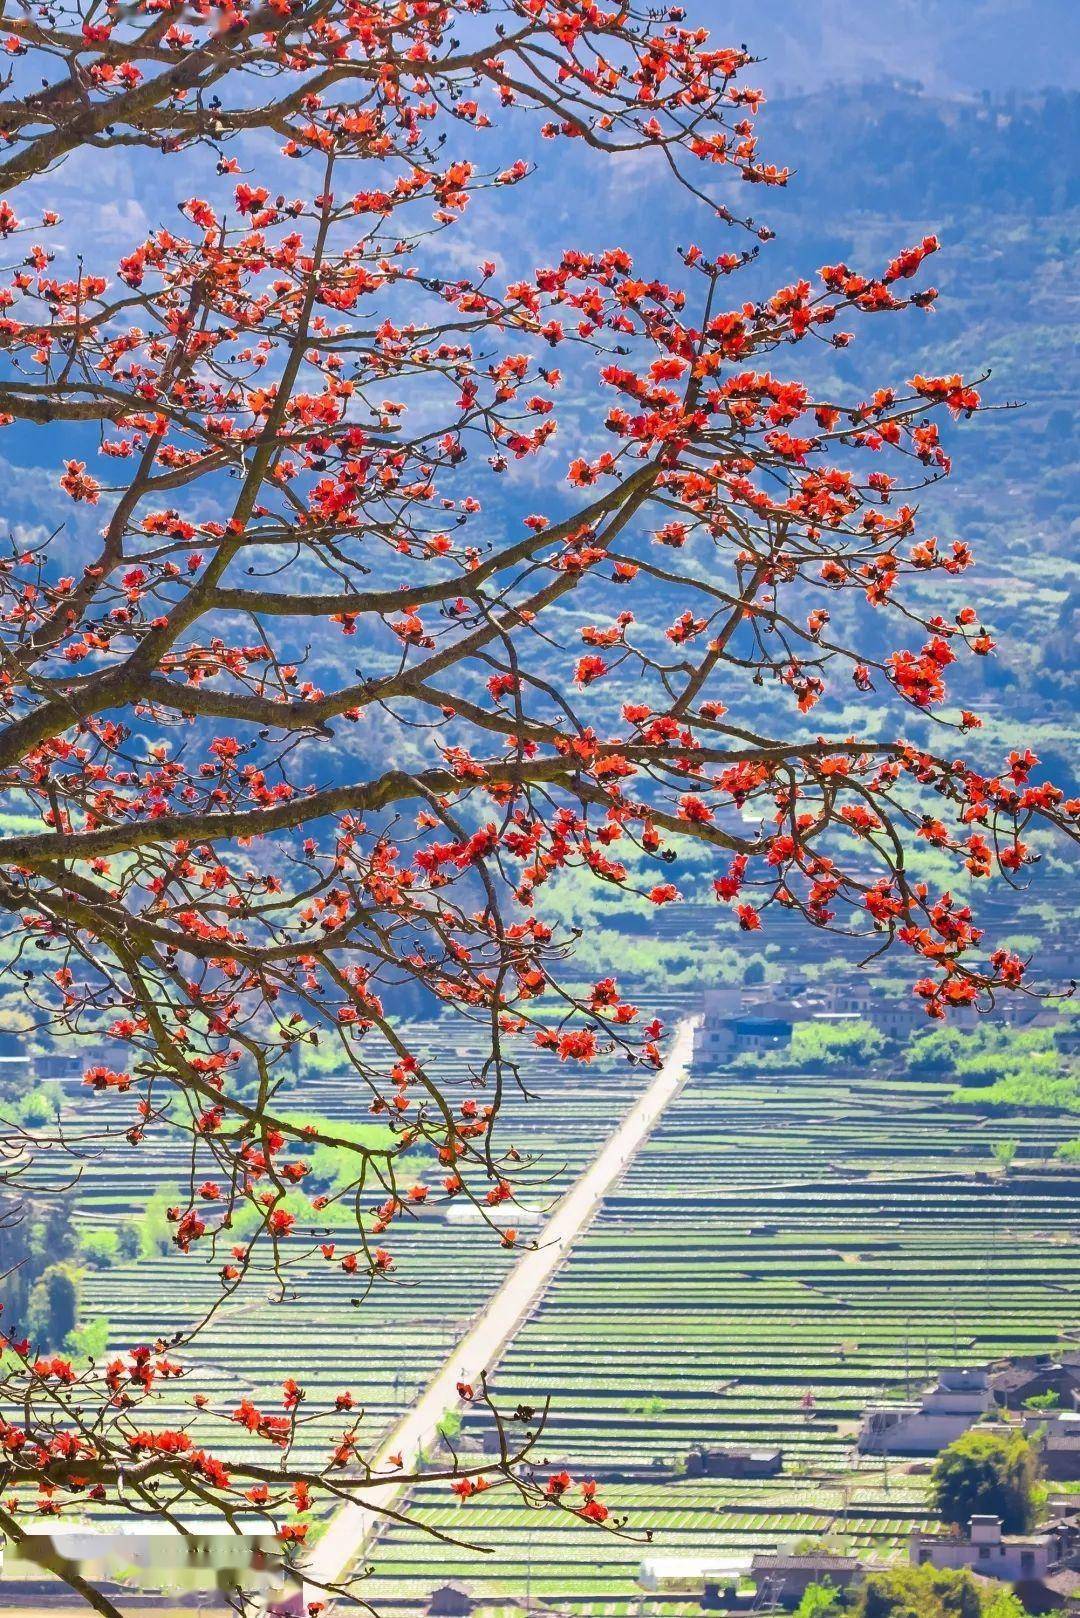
pixel 352 1530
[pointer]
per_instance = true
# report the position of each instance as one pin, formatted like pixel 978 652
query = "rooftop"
pixel 672 1567
pixel 1065 1582
pixel 823 1560
pixel 1023 1540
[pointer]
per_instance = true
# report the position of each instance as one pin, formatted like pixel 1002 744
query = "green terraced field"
pixel 777 1235
pixel 387 1349
pixel 897 1250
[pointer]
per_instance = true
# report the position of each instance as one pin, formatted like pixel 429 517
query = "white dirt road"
pixel 351 1531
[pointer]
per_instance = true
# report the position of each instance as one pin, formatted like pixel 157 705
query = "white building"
pixel 957 1400
pixel 986 1550
pixel 712 1036
pixel 690 1575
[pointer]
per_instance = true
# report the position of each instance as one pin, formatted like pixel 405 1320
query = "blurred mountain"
pixel 876 165
pixel 945 45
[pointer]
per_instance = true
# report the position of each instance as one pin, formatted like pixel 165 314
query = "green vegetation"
pixel 913 1592
pixel 334 1167
pixel 682 950
pixel 825 1228
pixel 1002 1603
pixel 819 1601
pixel 155 1231
pixel 919 1592
pixel 847 1047
pixel 90 1340
pixel 1005 1152
pixel 986 1472
pixel 41 1240
pixel 38 1107
pixel 1002 1069
pixel 781 1232
pixel 53 1309
pixel 99 1248
pixel 128 1239
pixel 449 1425
pixel 652 1406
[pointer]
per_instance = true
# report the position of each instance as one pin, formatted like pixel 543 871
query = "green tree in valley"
pixel 927 1592
pixel 1005 1152
pixel 919 1592
pixel 53 1308
pixel 986 1472
pixel 912 1592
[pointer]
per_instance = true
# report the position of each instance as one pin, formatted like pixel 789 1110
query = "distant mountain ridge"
pixel 947 45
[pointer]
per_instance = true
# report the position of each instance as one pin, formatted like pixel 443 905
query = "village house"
pixel 1041 1422
pixel 729 1029
pixel 986 1550
pixel 743 1019
pixel 16 1070
pixel 1059 1448
pixel 895 1019
pixel 1058 1592
pixel 782 1581
pixel 712 1036
pixel 450 1600
pixel 767 1030
pixel 1034 1376
pixel 734 1463
pixel 956 1401
pixel 58 1065
pixel 1058 1436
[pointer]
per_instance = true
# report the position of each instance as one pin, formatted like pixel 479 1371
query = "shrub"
pixel 39 1106
pixel 832 1047
pixel 449 1425
pixel 90 1340
pixel 127 1239
pixel 99 1248
pixel 819 1601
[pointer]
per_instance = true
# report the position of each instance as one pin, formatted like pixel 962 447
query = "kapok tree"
pixel 292 426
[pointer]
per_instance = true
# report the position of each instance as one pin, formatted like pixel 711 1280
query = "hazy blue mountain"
pixel 946 45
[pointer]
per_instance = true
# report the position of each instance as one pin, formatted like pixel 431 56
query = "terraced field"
pixel 778 1236
pixel 386 1350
